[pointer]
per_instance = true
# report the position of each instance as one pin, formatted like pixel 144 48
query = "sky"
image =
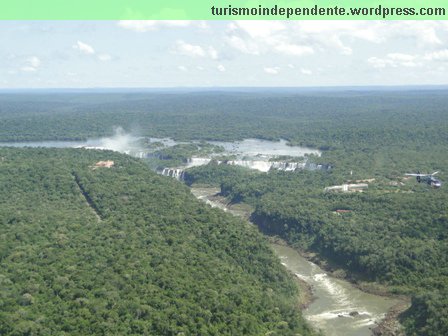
pixel 159 54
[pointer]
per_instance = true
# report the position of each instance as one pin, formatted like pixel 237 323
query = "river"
pixel 261 148
pixel 251 153
pixel 122 142
pixel 339 308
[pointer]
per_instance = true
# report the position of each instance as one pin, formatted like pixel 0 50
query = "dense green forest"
pixel 122 251
pixel 367 130
pixel 179 154
pixel 395 232
pixel 364 118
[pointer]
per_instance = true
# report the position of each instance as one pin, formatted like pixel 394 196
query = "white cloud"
pixel 423 32
pixel 84 48
pixel 200 24
pixel 263 37
pixel 307 72
pixel 221 68
pixel 394 60
pixel 31 64
pixel 340 33
pixel 299 38
pixel 333 37
pixel 401 57
pixel 28 69
pixel 34 61
pixel 259 29
pixel 244 46
pixel 293 50
pixel 441 55
pixel 212 53
pixel 379 63
pixel 186 49
pixel 336 30
pixel 153 25
pixel 271 70
pixel 104 57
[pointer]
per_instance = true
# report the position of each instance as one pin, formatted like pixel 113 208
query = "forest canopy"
pixel 90 250
pixel 394 232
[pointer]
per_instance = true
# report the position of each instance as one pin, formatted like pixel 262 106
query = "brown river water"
pixel 334 299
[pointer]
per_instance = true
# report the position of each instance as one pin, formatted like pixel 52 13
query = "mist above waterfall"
pixel 120 142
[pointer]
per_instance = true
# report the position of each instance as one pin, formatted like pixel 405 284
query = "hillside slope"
pixel 393 234
pixel 122 251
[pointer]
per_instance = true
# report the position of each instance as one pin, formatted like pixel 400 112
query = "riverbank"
pixel 390 324
pixel 338 272
pixel 306 296
pixel 385 324
pixel 212 197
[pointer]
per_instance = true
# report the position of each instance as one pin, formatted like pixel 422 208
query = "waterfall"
pixel 177 173
pixel 197 161
pixel 260 165
pixel 265 166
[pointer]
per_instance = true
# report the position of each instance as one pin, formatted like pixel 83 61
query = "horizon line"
pixel 226 88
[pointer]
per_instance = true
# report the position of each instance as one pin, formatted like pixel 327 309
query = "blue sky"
pixel 84 54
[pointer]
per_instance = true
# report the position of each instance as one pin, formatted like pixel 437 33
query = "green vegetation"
pixel 395 234
pixel 365 119
pixel 179 154
pixel 391 234
pixel 214 174
pixel 122 251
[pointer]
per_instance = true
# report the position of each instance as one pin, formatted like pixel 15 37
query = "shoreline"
pixel 306 295
pixel 388 326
